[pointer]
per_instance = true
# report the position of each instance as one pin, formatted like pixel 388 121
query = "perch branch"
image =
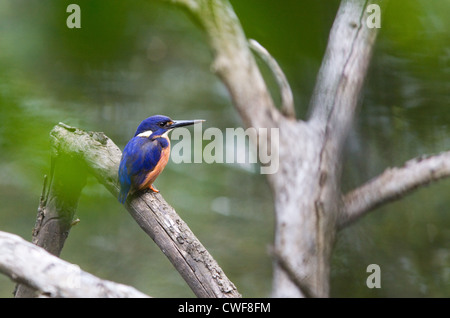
pixel 287 100
pixel 32 266
pixel 393 184
pixel 154 215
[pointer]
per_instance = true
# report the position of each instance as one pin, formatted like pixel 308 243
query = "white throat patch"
pixel 145 133
pixel 165 135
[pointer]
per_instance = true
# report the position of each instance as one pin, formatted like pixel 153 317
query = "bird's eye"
pixel 162 124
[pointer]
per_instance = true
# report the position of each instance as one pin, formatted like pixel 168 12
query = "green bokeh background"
pixel 133 59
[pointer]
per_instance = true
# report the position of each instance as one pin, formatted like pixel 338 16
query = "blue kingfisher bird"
pixel 146 154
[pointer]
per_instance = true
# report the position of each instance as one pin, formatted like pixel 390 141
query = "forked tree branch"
pixel 393 184
pixel 33 266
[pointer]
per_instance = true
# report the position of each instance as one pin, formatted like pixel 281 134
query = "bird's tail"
pixel 123 195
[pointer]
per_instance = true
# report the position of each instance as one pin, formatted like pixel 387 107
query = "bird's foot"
pixel 154 189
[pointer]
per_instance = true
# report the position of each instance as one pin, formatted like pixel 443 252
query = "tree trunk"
pixel 305 208
pixel 306 186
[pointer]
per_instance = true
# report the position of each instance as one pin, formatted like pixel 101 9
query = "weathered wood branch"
pixel 33 266
pixel 393 184
pixel 101 157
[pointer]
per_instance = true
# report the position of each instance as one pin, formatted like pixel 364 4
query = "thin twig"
pixel 287 99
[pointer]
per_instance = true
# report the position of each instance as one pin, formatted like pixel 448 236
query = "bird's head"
pixel 159 125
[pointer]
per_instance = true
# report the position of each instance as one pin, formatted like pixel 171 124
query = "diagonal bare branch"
pixel 393 184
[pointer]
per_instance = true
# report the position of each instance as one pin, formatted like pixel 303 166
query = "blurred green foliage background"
pixel 133 59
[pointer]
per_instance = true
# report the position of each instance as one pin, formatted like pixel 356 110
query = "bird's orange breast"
pixel 152 175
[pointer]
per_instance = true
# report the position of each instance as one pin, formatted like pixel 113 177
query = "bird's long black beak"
pixel 181 123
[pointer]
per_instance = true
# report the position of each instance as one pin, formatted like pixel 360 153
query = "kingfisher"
pixel 146 154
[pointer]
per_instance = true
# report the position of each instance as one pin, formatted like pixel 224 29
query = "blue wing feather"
pixel 125 182
pixel 139 157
